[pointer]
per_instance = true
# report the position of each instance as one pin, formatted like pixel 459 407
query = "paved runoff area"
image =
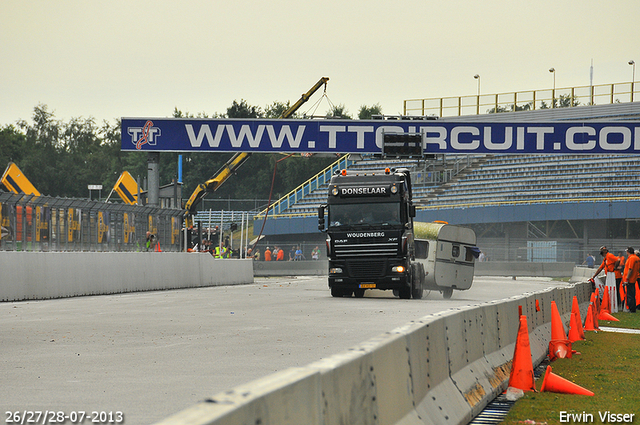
pixel 152 354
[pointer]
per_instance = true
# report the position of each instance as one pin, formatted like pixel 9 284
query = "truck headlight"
pixel 335 270
pixel 398 269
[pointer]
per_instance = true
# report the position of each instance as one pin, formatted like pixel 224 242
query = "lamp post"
pixel 477 77
pixel 553 92
pixel 633 77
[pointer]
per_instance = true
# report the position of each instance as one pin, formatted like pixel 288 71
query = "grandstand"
pixel 545 178
pixel 577 202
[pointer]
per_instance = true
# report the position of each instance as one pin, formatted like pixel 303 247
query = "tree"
pixel 244 110
pixel 563 101
pixel 339 111
pixel 40 161
pixel 12 144
pixel 276 109
pixel 366 112
pixel 510 108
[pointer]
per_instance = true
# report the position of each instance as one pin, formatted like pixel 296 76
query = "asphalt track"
pixel 152 354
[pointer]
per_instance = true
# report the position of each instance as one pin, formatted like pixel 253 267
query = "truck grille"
pixel 366 269
pixel 375 249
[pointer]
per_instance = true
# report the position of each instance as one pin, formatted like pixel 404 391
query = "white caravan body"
pixel 447 253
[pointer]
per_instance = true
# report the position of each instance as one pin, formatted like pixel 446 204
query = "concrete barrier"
pixel 444 368
pixel 291 268
pixel 582 273
pixel 44 275
pixel 487 268
pixel 523 268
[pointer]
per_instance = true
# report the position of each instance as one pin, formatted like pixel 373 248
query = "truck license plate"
pixel 367 286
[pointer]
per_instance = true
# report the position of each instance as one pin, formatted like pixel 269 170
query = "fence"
pixel 44 223
pixel 561 250
pixel 524 100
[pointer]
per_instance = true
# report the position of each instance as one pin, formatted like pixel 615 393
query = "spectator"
pixel 298 255
pixel 618 271
pixel 151 238
pixel 267 254
pixel 481 257
pixel 315 254
pixel 630 277
pixel 590 261
pixel 280 256
pixel 609 263
pixel 292 253
pixel 256 255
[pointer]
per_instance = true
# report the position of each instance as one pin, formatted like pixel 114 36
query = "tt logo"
pixel 144 135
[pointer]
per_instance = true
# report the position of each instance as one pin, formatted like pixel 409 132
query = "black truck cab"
pixel 369 227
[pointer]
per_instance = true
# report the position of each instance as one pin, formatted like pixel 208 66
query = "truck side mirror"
pixel 321 217
pixel 412 210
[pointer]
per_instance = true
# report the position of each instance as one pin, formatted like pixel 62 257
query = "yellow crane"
pixel 15 181
pixel 236 162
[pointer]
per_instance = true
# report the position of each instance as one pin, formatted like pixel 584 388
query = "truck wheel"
pixel 416 282
pixel 335 292
pixel 396 292
pixel 359 293
pixel 447 293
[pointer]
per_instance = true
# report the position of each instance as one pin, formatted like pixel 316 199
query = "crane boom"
pixel 236 161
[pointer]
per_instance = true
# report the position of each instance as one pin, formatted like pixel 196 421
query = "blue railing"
pixel 314 183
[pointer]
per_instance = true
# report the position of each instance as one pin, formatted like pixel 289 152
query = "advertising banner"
pixel 366 136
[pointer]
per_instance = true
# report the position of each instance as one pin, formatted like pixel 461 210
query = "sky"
pixel 113 59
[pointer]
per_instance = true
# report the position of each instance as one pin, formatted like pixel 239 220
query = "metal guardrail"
pixel 43 223
pixel 527 202
pixel 600 94
pixel 322 178
pixel 212 218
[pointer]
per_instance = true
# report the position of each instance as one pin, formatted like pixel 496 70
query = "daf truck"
pixel 372 243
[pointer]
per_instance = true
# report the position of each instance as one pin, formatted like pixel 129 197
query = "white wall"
pixel 44 275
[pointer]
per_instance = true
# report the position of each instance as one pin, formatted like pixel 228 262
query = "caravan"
pixel 447 254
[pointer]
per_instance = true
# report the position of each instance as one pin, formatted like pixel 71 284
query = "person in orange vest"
pixel 609 263
pixel 280 256
pixel 630 278
pixel 267 254
pixel 618 271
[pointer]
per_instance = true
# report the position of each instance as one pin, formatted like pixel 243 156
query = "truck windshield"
pixel 364 214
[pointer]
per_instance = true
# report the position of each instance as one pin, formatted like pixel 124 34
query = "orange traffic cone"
pixel 594 297
pixel 560 349
pixel 605 315
pixel 575 309
pixel 557 328
pixel 556 384
pixel 158 249
pixel 559 346
pixel 574 333
pixel 589 325
pixel 522 367
pixel 596 311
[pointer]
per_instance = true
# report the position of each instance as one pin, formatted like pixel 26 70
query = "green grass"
pixel 609 366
